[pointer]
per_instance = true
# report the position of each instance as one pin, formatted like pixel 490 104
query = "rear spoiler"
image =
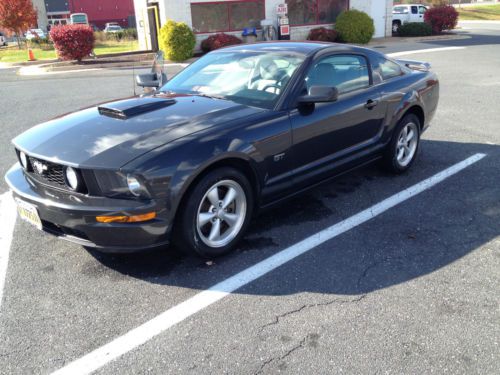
pixel 416 65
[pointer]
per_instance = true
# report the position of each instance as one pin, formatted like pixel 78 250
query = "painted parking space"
pixel 195 304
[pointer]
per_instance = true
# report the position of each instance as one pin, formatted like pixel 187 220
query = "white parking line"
pixel 200 301
pixel 404 53
pixel 7 223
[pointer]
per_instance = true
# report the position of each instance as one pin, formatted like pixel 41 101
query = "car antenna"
pixel 133 76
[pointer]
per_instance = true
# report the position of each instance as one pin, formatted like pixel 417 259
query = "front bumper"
pixel 71 216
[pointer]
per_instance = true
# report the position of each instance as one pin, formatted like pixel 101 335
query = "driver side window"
pixel 345 72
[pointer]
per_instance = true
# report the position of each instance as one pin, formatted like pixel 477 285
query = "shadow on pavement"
pixel 413 239
pixel 474 40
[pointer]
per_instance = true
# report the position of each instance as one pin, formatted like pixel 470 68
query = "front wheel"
pixel 402 150
pixel 216 213
pixel 395 27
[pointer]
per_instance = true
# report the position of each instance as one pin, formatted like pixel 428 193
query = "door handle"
pixel 371 104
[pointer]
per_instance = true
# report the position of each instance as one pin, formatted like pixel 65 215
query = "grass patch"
pixel 116 47
pixel 480 13
pixel 14 55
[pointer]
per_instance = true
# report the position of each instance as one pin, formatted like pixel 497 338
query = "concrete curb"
pixel 42 70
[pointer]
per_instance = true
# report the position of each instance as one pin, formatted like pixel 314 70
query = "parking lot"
pixel 411 287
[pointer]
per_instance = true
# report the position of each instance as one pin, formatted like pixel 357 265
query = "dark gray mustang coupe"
pixel 241 128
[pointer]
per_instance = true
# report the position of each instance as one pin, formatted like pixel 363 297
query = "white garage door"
pixel 378 13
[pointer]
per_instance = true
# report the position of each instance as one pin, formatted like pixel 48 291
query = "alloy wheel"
pixel 221 213
pixel 407 144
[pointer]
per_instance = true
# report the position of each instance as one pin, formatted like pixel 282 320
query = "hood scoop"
pixel 125 109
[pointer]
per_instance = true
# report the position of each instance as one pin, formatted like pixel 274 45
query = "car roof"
pixel 305 47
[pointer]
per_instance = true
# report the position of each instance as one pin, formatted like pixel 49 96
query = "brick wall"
pixel 180 10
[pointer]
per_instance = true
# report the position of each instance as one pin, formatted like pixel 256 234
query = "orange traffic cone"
pixel 31 55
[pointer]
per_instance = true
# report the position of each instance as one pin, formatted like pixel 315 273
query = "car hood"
pixel 112 134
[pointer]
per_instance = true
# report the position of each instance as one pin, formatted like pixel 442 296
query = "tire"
pixel 208 225
pixel 402 150
pixel 395 27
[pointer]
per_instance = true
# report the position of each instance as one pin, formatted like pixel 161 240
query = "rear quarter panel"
pixel 416 89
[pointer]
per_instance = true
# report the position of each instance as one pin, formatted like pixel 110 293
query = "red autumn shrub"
pixel 217 41
pixel 443 17
pixel 322 34
pixel 73 42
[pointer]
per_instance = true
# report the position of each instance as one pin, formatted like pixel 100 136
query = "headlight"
pixel 118 184
pixel 71 178
pixel 24 160
pixel 134 185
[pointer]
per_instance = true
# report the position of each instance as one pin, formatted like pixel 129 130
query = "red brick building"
pixel 99 12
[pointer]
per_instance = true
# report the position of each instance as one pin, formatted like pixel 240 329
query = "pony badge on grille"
pixel 39 167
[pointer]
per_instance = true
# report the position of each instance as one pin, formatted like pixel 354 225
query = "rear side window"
pixel 414 10
pixel 389 69
pixel 345 72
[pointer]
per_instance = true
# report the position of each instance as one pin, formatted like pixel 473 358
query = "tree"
pixel 17 16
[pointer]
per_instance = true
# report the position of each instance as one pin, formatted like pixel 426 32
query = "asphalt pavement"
pixel 413 290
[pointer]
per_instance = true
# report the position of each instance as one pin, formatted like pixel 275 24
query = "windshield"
pixel 250 78
pixel 399 10
pixel 112 28
pixel 79 18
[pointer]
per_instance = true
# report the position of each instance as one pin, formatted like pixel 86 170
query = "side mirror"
pixel 152 80
pixel 320 94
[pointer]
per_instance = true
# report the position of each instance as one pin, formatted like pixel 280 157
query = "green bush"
pixel 177 41
pixel 354 26
pixel 415 29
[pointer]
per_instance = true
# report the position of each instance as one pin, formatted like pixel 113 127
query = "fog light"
pixel 24 160
pixel 134 185
pixel 71 178
pixel 126 219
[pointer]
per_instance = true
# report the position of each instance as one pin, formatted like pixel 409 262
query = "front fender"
pixel 171 169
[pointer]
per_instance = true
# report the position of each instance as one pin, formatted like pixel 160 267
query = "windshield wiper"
pixel 168 92
pixel 211 96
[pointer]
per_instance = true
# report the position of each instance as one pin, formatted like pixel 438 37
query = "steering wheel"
pixel 278 85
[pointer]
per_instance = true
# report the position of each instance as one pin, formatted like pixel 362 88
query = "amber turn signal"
pixel 126 219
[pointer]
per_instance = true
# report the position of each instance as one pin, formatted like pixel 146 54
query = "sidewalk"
pixel 486 22
pixel 416 39
pixel 144 59
pixel 136 60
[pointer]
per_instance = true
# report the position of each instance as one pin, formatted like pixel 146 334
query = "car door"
pixel 325 133
pixel 421 12
pixel 415 15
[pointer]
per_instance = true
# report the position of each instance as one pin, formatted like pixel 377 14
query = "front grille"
pixel 47 171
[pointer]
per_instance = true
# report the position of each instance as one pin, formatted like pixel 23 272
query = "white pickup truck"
pixel 3 41
pixel 405 13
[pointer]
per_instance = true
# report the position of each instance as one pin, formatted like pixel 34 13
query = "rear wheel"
pixel 402 150
pixel 216 213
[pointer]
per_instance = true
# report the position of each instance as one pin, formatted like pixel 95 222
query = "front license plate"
pixel 29 213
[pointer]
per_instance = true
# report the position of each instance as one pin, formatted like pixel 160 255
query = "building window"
pixel 311 12
pixel 226 16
